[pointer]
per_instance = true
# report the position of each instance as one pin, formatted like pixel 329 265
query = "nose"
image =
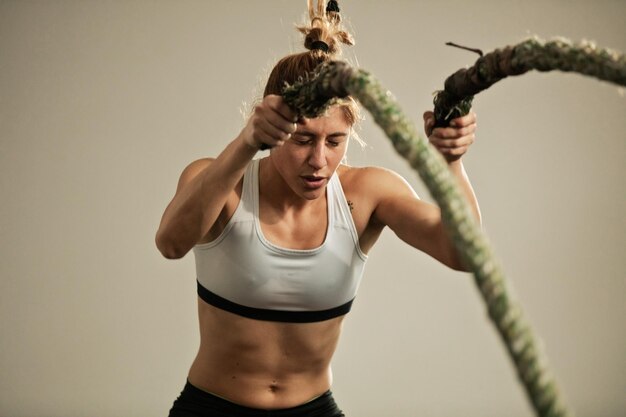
pixel 317 158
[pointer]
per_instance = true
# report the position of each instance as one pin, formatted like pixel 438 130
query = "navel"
pixel 274 387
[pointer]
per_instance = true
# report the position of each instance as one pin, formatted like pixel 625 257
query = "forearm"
pixel 458 170
pixel 200 199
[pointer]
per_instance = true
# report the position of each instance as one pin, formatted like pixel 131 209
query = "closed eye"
pixel 305 138
pixel 302 140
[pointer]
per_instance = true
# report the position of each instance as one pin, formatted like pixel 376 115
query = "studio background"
pixel 103 103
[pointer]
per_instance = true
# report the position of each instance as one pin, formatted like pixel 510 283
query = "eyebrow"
pixel 312 135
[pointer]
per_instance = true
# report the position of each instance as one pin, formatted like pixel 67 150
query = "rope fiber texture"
pixel 532 54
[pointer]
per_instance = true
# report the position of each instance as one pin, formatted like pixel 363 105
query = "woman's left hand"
pixel 453 141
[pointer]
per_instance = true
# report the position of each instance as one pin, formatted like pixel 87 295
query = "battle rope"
pixel 558 54
pixel 335 80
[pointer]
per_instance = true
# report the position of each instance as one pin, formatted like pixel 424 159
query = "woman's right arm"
pixel 205 185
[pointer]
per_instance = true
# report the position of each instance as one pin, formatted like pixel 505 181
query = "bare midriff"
pixel 262 364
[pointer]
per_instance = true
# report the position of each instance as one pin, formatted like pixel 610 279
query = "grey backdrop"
pixel 102 104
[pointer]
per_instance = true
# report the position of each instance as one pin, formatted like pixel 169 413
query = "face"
pixel 308 160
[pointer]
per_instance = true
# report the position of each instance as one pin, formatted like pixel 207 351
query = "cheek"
pixel 339 153
pixel 289 155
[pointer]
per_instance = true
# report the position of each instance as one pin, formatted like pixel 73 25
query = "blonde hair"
pixel 325 27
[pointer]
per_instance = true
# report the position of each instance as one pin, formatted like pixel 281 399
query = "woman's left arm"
pixel 414 221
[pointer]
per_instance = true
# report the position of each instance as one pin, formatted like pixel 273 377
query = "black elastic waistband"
pixel 272 315
pixel 211 405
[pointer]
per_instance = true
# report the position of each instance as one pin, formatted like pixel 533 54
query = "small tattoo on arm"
pixel 350 204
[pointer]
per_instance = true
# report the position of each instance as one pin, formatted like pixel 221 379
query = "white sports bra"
pixel 243 273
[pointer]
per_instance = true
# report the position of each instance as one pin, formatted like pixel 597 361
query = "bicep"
pixel 414 221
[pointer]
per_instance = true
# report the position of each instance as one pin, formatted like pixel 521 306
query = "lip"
pixel 313 181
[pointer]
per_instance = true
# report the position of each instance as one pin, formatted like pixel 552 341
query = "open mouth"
pixel 312 181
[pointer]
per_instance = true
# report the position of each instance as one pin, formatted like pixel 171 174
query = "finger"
pixel 267 115
pixel 453 143
pixel 429 122
pixel 455 152
pixel 287 112
pixel 263 132
pixel 277 117
pixel 277 103
pixel 468 119
pixel 453 133
pixel 265 147
pixel 445 133
pixel 281 124
pixel 267 140
pixel 272 133
pixel 458 151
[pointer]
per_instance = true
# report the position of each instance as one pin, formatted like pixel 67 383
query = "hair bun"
pixel 325 32
pixel 332 6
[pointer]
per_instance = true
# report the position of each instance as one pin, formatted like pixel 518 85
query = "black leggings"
pixel 194 402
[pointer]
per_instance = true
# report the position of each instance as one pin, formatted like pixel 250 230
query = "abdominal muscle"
pixel 262 364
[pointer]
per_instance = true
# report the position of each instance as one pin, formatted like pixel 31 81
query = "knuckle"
pixel 256 140
pixel 258 110
pixel 256 122
pixel 452 133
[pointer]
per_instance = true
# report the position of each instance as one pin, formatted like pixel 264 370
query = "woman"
pixel 280 243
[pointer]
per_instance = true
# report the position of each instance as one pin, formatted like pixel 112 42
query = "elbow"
pixel 459 267
pixel 168 248
pixel 456 263
pixel 172 253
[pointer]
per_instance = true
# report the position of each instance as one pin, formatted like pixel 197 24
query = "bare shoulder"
pixel 372 180
pixel 368 191
pixel 192 170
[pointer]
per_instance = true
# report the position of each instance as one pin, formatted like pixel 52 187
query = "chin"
pixel 313 194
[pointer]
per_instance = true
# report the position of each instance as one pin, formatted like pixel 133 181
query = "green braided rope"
pixel 311 97
pixel 558 54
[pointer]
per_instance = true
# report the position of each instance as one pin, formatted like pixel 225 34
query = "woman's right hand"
pixel 272 123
